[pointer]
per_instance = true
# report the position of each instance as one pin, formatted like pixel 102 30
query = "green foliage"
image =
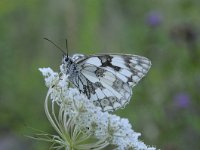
pixel 165 105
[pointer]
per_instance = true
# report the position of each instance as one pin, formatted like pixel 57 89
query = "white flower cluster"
pixel 78 120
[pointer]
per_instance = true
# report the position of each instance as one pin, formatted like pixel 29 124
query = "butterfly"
pixel 105 79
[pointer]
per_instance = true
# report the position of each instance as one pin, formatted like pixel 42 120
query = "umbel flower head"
pixel 80 124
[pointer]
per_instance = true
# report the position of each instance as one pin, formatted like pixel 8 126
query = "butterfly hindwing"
pixel 107 79
pixel 109 92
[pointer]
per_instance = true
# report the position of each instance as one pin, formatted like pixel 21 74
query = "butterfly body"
pixel 106 79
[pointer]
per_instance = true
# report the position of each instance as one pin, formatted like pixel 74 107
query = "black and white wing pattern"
pixel 107 80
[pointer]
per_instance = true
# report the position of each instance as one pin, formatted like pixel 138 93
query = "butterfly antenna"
pixel 67 48
pixel 56 46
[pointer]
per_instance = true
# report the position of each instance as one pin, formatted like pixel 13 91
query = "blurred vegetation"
pixel 165 106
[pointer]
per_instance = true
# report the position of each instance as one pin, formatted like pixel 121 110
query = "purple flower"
pixel 154 19
pixel 182 100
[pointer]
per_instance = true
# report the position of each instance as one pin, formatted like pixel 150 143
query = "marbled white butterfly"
pixel 106 79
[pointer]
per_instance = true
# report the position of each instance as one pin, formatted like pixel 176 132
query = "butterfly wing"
pixel 107 80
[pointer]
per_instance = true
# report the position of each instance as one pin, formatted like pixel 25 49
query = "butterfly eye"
pixel 66 59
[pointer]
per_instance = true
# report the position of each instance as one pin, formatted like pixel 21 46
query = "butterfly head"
pixel 66 59
pixel 67 65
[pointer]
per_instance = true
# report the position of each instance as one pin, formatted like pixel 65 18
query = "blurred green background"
pixel 165 106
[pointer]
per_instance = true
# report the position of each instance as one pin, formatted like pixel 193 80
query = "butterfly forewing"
pixel 107 80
